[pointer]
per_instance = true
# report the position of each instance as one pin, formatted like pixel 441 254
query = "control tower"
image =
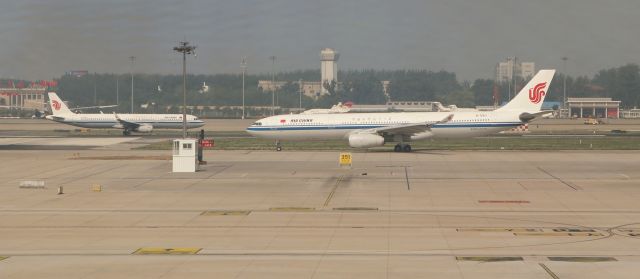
pixel 328 67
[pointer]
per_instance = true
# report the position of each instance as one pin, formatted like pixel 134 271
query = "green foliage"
pixel 483 92
pixel 622 83
pixel 422 85
pixel 463 98
pixel 362 87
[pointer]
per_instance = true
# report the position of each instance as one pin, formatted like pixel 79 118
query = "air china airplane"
pixel 364 130
pixel 142 123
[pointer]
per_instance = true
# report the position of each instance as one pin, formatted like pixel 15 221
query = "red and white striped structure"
pixel 522 129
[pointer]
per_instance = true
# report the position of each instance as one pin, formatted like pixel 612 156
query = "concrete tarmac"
pixel 265 214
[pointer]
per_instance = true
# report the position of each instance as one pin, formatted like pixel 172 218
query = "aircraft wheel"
pixel 397 148
pixel 406 148
pixel 278 148
pixel 126 133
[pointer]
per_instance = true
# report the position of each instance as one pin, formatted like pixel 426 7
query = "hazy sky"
pixel 43 39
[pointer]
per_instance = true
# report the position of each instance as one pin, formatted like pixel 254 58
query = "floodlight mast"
pixel 243 65
pixel 133 60
pixel 273 84
pixel 185 49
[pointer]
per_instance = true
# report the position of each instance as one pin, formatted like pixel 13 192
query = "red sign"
pixel 206 143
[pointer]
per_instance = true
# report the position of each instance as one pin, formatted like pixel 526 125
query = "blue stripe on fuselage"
pixel 342 127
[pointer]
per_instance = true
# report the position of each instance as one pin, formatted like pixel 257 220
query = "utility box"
pixel 185 155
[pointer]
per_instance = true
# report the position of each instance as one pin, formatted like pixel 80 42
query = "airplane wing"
pixel 408 129
pixel 81 108
pixel 127 124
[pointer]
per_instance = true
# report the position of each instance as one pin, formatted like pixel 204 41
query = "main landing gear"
pixel 126 132
pixel 278 146
pixel 402 147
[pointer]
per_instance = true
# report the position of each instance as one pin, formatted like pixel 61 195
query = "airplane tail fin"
pixel 532 95
pixel 58 107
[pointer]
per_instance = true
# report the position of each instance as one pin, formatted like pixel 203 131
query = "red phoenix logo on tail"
pixel 537 92
pixel 55 104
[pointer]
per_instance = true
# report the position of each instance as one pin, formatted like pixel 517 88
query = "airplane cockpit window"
pixel 257 124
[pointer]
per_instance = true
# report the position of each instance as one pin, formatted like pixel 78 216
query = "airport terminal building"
pixel 593 108
pixel 23 98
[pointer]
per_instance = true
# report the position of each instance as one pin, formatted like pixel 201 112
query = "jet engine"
pixel 365 140
pixel 422 136
pixel 144 128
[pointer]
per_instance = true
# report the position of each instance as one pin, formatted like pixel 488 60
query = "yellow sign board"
pixel 345 159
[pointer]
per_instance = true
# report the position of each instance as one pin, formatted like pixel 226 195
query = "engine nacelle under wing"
pixel 144 128
pixel 365 140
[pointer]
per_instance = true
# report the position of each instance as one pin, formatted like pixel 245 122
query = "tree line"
pixel 359 86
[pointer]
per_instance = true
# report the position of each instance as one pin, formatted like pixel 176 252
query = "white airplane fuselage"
pixel 97 121
pixel 364 130
pixel 341 125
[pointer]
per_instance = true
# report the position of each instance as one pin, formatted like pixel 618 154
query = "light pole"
pixel 515 78
pixel 117 92
pixel 95 93
pixel 564 82
pixel 243 65
pixel 510 76
pixel 273 83
pixel 300 89
pixel 185 49
pixel 133 59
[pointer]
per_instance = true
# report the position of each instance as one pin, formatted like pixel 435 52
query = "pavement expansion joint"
pixel 225 212
pixel 356 208
pixel 489 259
pixel 553 275
pixel 292 209
pixel 583 259
pixel 166 251
pixel 333 190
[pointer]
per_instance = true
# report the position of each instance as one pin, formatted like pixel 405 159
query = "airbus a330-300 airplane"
pixel 142 123
pixel 364 130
